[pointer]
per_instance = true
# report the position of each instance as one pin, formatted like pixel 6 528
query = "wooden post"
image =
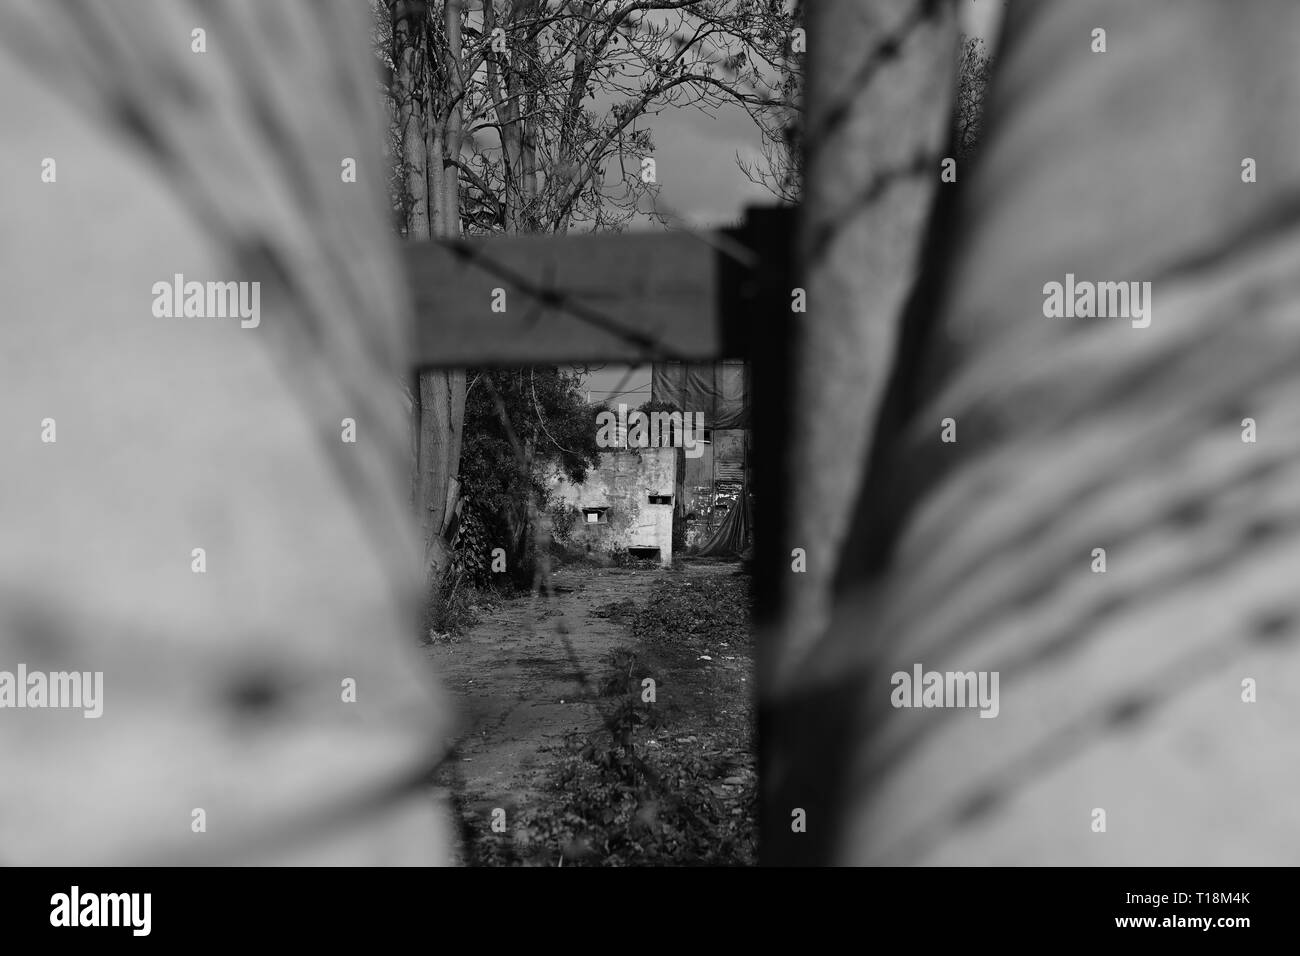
pixel 587 298
pixel 879 82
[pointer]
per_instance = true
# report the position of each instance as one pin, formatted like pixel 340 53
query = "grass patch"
pixel 460 608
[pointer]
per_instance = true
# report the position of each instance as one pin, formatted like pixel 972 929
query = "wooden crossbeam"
pixel 632 297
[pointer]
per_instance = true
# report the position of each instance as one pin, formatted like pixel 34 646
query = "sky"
pixel 695 156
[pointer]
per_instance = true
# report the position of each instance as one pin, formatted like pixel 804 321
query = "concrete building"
pixel 626 503
pixel 634 497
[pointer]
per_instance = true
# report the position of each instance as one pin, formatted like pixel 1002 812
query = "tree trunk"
pixel 442 413
pixel 427 115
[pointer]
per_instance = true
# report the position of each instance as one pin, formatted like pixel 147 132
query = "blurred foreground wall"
pixel 1113 530
pixel 134 434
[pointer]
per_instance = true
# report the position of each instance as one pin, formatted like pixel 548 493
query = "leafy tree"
pixel 974 70
pixel 521 425
pixel 559 97
pixel 536 115
pixel 780 168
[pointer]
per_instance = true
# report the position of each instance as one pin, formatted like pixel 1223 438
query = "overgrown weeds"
pixel 716 609
pixel 637 792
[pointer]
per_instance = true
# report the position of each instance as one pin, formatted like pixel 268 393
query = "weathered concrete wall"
pixel 712 483
pixel 622 485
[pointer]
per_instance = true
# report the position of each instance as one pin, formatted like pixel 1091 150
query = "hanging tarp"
pixel 716 389
pixel 732 536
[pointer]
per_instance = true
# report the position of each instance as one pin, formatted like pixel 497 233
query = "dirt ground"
pixel 522 689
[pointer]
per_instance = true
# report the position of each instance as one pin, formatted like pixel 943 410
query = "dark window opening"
pixel 661 499
pixel 594 515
